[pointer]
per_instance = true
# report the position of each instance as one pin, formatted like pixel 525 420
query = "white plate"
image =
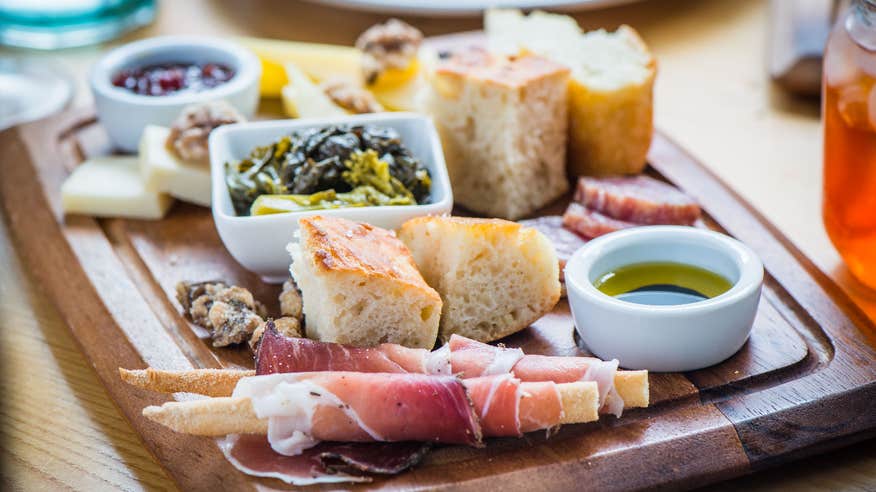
pixel 465 7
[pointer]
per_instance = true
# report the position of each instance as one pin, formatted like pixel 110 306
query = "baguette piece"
pixel 495 277
pixel 610 90
pixel 503 127
pixel 359 286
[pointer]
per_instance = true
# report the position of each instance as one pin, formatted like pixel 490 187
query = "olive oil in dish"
pixel 662 283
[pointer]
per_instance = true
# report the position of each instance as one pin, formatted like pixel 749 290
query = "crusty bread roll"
pixel 360 286
pixel 503 128
pixel 495 277
pixel 610 90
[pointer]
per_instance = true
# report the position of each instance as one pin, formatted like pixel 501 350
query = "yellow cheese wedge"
pixel 304 99
pixel 320 61
pixel 394 77
pixel 399 90
pixel 163 171
pixel 400 97
pixel 273 78
pixel 112 187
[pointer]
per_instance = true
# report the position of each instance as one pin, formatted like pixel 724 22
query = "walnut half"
pixel 393 44
pixel 350 97
pixel 191 129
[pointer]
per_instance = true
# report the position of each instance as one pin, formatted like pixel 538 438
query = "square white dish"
pixel 259 242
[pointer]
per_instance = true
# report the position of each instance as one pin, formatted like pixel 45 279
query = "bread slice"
pixel 360 286
pixel 610 90
pixel 495 277
pixel 503 126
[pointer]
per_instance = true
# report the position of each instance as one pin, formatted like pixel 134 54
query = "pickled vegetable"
pixel 359 165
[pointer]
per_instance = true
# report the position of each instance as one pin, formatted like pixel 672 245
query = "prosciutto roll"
pixel 281 354
pixel 461 356
pixel 303 409
pixel 508 407
pixel 470 358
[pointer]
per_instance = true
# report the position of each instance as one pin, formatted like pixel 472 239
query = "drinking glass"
pixel 849 113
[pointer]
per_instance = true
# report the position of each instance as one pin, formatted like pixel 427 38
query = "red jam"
pixel 170 78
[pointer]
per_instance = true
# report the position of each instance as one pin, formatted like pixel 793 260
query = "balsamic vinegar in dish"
pixel 662 283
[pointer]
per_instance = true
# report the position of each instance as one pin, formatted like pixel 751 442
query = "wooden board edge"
pixel 192 462
pixel 764 419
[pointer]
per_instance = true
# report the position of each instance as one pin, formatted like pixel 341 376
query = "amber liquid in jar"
pixel 849 113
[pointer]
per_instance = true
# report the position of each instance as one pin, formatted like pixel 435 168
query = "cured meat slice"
pixel 508 407
pixel 565 241
pixel 540 406
pixel 469 357
pixel 570 369
pixel 328 462
pixel 496 400
pixel 637 199
pixel 466 358
pixel 590 223
pixel 281 354
pixel 305 408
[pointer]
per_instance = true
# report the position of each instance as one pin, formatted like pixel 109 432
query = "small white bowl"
pixel 664 338
pixel 125 114
pixel 259 242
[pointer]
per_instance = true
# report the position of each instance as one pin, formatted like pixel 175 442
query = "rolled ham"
pixel 278 353
pixel 303 409
pixel 461 356
pixel 508 407
pixel 470 358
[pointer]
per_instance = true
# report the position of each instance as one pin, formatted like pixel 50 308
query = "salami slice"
pixel 637 199
pixel 590 223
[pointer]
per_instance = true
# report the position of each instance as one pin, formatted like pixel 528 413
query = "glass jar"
pixel 849 113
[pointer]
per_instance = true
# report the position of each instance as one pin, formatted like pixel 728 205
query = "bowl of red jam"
pixel 150 81
pixel 163 79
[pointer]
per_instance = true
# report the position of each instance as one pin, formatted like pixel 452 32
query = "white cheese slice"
pixel 163 171
pixel 112 187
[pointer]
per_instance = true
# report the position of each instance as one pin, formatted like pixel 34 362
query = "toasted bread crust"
pixel 474 224
pixel 342 246
pixel 509 72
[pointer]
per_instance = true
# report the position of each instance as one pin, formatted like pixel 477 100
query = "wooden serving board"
pixel 804 382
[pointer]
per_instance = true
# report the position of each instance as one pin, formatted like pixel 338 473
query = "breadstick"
pixel 208 382
pixel 226 415
pixel 208 417
pixel 580 401
pixel 632 386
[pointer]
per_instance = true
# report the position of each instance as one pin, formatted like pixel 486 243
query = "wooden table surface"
pixel 60 429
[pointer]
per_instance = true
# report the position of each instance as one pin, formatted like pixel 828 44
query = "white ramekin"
pixel 664 338
pixel 125 114
pixel 259 242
